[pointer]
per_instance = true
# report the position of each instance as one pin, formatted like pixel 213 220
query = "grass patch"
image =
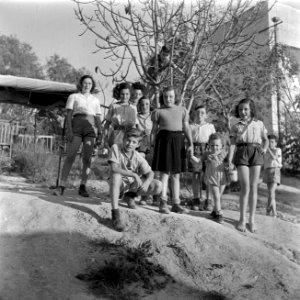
pixel 127 275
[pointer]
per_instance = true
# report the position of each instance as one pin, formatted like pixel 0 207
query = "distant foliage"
pixel 59 69
pixel 18 59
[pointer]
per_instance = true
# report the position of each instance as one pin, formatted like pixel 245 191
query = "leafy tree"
pixel 59 69
pixel 18 59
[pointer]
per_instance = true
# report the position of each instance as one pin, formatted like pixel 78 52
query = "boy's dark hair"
pixel 251 105
pixel 215 136
pixel 79 85
pixel 138 86
pixel 133 132
pixel 143 98
pixel 200 106
pixel 272 137
pixel 165 49
pixel 121 86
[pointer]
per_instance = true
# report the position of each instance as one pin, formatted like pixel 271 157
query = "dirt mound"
pixel 46 241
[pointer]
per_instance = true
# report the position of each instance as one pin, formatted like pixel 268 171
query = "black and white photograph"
pixel 150 149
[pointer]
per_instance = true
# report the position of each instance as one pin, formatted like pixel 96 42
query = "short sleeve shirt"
pixel 170 118
pixel 201 133
pixel 84 104
pixel 136 163
pixel 248 133
pixel 122 114
pixel 273 162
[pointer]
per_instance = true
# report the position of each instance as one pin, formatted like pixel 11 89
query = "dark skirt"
pixel 169 152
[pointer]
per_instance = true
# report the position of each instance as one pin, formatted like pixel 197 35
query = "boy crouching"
pixel 130 173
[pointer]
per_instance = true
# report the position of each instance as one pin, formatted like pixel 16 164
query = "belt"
pixel 119 127
pixel 248 144
pixel 200 144
pixel 82 115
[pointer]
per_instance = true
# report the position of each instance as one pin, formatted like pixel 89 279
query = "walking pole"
pixel 61 149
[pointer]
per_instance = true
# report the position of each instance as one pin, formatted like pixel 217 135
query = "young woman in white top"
pixel 83 125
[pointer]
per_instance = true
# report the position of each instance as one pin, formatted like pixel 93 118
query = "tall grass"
pixel 39 165
pixel 34 162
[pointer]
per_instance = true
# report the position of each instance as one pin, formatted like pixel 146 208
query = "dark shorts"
pixel 199 149
pixel 248 155
pixel 169 152
pixel 84 126
pixel 271 175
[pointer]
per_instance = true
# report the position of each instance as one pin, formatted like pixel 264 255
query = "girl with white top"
pixel 249 143
pixel 83 125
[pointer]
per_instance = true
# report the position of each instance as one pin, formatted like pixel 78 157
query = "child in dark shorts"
pixel 200 131
pixel 249 143
pixel 272 166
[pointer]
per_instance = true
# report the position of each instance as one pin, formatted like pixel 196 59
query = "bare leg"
pixel 200 183
pixel 271 199
pixel 87 151
pixel 216 197
pixel 196 184
pixel 175 187
pixel 243 173
pixel 72 150
pixel 164 177
pixel 114 187
pixel 254 176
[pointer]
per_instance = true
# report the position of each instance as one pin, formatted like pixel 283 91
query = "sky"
pixel 50 26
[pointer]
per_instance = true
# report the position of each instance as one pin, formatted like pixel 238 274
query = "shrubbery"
pixel 34 162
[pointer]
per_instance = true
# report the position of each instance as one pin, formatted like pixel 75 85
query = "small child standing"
pixel 170 124
pixel 249 143
pixel 120 116
pixel 215 176
pixel 272 166
pixel 200 131
pixel 130 173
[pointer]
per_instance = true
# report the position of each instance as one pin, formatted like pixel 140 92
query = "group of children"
pixel 134 132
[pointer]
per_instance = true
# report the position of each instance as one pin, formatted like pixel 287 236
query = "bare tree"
pixel 203 39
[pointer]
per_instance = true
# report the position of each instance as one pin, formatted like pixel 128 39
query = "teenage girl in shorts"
pixel 249 143
pixel 83 124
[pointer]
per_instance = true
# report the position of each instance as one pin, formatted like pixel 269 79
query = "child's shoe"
pixel 268 211
pixel 117 221
pixel 82 191
pixel 208 205
pixel 163 206
pixel 155 200
pixel 149 200
pixel 195 204
pixel 219 218
pixel 143 200
pixel 202 205
pixel 129 198
pixel 177 208
pixel 213 214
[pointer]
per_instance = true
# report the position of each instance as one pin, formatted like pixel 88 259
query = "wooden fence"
pixel 10 134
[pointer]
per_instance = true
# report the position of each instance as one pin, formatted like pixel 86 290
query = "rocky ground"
pixel 55 247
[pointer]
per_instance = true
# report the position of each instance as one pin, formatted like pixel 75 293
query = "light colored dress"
pixel 215 169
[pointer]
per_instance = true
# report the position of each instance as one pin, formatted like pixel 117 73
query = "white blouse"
pixel 84 104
